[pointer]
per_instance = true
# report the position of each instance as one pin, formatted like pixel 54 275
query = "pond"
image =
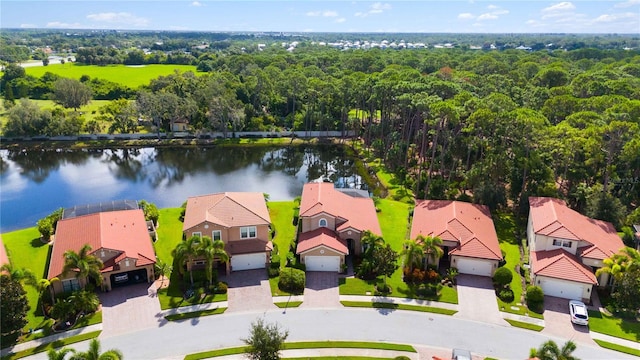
pixel 34 183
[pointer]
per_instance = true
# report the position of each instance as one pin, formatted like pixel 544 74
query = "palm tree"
pixel 185 252
pixel 94 353
pixel 370 241
pixel 83 264
pixel 84 301
pixel 212 250
pixel 19 274
pixel 412 254
pixel 54 354
pixel 550 351
pixel 432 247
pixel 42 286
pixel 628 259
pixel 163 269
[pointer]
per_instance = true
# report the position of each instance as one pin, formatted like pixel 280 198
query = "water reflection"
pixel 36 182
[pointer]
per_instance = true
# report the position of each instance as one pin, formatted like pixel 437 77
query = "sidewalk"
pixel 615 340
pixel 49 339
pixel 305 353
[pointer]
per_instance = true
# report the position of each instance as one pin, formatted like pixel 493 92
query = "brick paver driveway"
pixel 557 321
pixel 477 299
pixel 129 309
pixel 249 291
pixel 321 290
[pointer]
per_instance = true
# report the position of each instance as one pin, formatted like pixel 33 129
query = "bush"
pixel 431 276
pixel 534 297
pixel 502 277
pixel 221 288
pixel 506 295
pixel 275 261
pixel 415 277
pixel 292 280
pixel 273 271
pixel 427 290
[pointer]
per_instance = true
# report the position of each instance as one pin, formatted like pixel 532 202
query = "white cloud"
pixel 63 25
pixel 340 20
pixel 197 4
pixel 466 16
pixel 326 13
pixel 627 3
pixel 563 6
pixel 375 8
pixel 492 7
pixel 615 17
pixel 487 16
pixel 120 18
pixel 28 26
pixel 492 15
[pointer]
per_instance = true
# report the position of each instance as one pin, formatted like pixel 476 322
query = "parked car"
pixel 578 311
pixel 460 354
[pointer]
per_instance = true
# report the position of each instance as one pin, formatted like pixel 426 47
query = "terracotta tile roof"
pixel 553 218
pixel 358 213
pixel 318 237
pixel 124 231
pixel 469 225
pixel 248 246
pixel 229 209
pixel 4 259
pixel 560 264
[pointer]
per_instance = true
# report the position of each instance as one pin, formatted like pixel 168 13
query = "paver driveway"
pixel 321 290
pixel 249 291
pixel 477 299
pixel 129 309
pixel 558 321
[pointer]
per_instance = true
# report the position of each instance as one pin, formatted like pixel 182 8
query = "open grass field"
pixel 90 110
pixel 131 76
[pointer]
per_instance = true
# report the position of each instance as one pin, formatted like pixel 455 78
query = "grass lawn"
pixel 169 233
pixel 380 305
pixel 131 76
pixel 613 326
pixel 524 325
pixel 275 290
pixel 52 345
pixel 616 347
pixel 195 314
pixel 281 213
pixel 338 358
pixel 288 304
pixel 25 250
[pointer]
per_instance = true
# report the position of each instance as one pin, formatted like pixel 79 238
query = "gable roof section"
pixel 359 213
pixel 552 217
pixel 124 231
pixel 321 237
pixel 560 264
pixel 228 209
pixel 468 224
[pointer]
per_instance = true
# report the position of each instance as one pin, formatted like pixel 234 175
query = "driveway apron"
pixel 321 290
pixel 249 291
pixel 557 321
pixel 477 300
pixel 129 309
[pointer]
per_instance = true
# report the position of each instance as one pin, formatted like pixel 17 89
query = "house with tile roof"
pixel 240 219
pixel 331 225
pixel 468 235
pixel 119 238
pixel 566 248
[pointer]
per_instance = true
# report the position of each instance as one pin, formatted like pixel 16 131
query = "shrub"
pixel 506 295
pixel 221 288
pixel 431 276
pixel 426 290
pixel 402 358
pixel 502 277
pixel 292 280
pixel 273 271
pixel 275 261
pixel 415 277
pixel 534 297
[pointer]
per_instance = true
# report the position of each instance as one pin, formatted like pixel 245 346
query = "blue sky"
pixel 468 16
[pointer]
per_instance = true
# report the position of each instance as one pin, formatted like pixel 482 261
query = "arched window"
pixel 322 223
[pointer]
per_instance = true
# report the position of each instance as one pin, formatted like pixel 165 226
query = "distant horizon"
pixel 306 16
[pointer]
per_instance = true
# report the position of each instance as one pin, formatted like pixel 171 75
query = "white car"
pixel 578 311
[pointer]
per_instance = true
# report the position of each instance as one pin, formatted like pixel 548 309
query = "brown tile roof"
pixel 358 213
pixel 4 259
pixel 553 218
pixel 229 209
pixel 321 237
pixel 248 246
pixel 124 231
pixel 469 225
pixel 560 264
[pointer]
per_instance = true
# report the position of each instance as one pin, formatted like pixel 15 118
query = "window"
pixel 70 285
pixel 557 242
pixel 566 244
pixel 563 243
pixel 248 232
pixel 216 235
pixel 322 223
pixel 196 233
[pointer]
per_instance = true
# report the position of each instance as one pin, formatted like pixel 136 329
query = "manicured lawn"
pixel 614 326
pixel 173 297
pixel 25 250
pixel 388 180
pixel 616 347
pixel 281 213
pixel 338 358
pixel 380 305
pixel 275 290
pixel 288 304
pixel 131 76
pixel 195 314
pixel 169 233
pixel 524 325
pixel 354 286
pixel 53 345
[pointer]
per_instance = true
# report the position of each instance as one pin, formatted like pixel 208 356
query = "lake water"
pixel 33 183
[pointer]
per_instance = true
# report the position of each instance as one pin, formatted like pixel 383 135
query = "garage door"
pixel 322 263
pixel 473 267
pixel 248 261
pixel 562 289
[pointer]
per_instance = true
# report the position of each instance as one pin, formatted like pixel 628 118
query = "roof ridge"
pixel 244 207
pixel 483 244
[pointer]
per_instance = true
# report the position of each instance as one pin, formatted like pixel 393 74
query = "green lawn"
pixel 169 233
pixel 195 314
pixel 288 304
pixel 281 213
pixel 52 345
pixel 614 326
pixel 616 347
pixel 131 76
pixel 524 325
pixel 381 305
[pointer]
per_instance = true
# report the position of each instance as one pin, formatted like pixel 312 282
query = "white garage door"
pixel 322 263
pixel 248 261
pixel 562 289
pixel 473 267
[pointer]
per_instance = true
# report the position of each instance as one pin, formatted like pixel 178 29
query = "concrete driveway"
pixel 321 290
pixel 558 321
pixel 477 300
pixel 129 309
pixel 249 291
